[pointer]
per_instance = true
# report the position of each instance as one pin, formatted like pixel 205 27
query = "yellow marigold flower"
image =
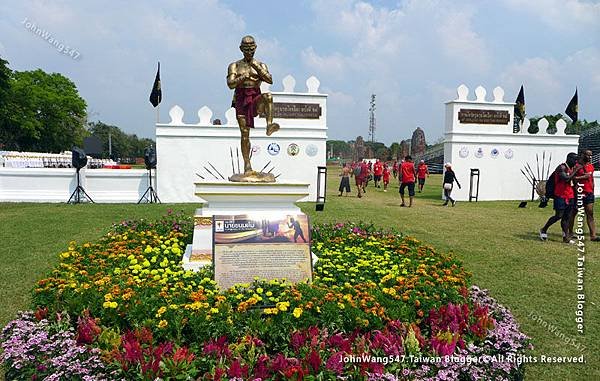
pixel 65 255
pixel 106 304
pixel 259 291
pixel 108 297
pixel 173 306
pixel 297 312
pixel 161 311
pixel 148 249
pixel 214 310
pixel 341 306
pixel 283 306
pixel 269 293
pixel 162 324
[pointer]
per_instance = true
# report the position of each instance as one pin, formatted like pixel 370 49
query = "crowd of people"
pixel 571 185
pixel 411 177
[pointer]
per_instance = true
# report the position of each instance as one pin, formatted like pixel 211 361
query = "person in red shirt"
pixel 386 177
pixel 377 172
pixel 422 173
pixel 584 181
pixel 407 179
pixel 564 197
pixel 395 168
pixel 361 173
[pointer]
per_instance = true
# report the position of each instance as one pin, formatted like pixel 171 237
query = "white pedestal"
pixel 229 198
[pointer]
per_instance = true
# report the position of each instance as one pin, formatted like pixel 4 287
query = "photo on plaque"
pixel 267 247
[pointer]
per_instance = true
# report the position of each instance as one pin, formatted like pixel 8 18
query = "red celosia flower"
pixel 219 373
pixel 87 329
pixel 297 371
pixel 237 370
pixel 41 313
pixel 218 347
pixel 279 363
pixel 339 342
pixel 314 361
pixel 261 369
pixel 133 349
pixel 183 354
pixel 335 363
pixel 297 340
pixel 144 335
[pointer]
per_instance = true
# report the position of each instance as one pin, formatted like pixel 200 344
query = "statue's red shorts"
pixel 246 102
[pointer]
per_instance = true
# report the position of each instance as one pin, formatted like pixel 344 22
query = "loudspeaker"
pixel 78 158
pixel 150 158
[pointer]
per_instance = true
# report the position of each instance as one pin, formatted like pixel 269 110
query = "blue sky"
pixel 412 54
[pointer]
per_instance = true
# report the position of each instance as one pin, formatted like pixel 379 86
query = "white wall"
pixel 500 176
pixel 184 149
pixel 57 184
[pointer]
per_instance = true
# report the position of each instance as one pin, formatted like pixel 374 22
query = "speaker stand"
pixel 150 196
pixel 79 195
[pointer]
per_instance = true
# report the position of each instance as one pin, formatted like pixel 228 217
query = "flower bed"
pixel 374 293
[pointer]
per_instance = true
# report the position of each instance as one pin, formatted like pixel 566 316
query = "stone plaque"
pixel 296 110
pixel 267 247
pixel 473 116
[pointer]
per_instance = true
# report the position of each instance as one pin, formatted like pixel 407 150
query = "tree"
pixel 44 113
pixel 5 75
pixel 339 148
pixel 123 145
pixel 395 150
pixel 571 129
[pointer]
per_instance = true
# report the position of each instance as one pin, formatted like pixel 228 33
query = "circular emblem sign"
pixel 273 149
pixel 479 153
pixel 255 150
pixel 509 154
pixel 494 154
pixel 293 149
pixel 312 150
pixel 464 152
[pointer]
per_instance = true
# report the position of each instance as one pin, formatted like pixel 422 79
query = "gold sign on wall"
pixel 474 116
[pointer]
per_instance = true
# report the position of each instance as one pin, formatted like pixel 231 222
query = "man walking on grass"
pixel 377 173
pixel 422 173
pixel 564 198
pixel 585 177
pixel 407 179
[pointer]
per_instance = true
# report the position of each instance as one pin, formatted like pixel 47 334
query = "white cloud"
pixel 535 73
pixel 334 65
pixel 461 43
pixel 549 83
pixel 561 14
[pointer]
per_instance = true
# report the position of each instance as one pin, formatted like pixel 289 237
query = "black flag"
pixel 573 107
pixel 156 94
pixel 520 104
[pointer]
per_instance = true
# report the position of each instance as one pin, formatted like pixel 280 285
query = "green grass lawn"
pixel 496 241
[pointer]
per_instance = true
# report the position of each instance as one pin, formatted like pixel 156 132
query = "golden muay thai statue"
pixel 245 76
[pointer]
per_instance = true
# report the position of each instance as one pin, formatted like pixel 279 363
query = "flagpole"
pixel 157 113
pixel 521 125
